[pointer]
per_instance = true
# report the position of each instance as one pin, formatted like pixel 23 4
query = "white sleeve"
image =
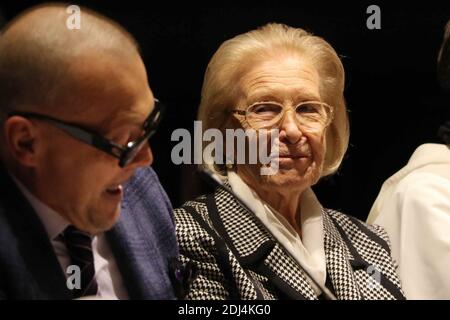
pixel 417 219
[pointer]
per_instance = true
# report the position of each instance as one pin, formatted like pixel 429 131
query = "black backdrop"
pixel 391 91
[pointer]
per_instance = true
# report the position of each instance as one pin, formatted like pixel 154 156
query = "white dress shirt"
pixel 308 250
pixel 107 274
pixel 414 208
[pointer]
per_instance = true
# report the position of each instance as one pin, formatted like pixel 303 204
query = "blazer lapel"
pixel 256 249
pixel 340 262
pixel 143 275
pixel 141 242
pixel 32 252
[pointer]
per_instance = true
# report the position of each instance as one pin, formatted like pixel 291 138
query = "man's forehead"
pixel 114 92
pixel 134 117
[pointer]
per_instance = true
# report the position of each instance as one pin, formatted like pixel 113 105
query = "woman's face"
pixel 288 81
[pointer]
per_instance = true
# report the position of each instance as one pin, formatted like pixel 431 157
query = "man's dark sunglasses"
pixel 125 154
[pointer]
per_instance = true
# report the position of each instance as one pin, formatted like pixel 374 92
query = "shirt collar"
pixel 53 222
pixel 309 250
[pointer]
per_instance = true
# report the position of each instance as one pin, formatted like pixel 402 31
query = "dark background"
pixel 393 99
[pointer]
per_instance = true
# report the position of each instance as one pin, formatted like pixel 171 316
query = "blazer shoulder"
pixel 354 229
pixel 192 213
pixel 197 206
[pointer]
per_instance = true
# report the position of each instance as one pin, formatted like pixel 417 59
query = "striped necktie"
pixel 79 247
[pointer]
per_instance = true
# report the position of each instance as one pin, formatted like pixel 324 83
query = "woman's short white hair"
pixel 236 56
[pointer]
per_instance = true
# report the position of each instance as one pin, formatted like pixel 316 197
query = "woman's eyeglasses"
pixel 313 115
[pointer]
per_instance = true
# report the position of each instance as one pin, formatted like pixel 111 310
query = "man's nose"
pixel 289 128
pixel 144 157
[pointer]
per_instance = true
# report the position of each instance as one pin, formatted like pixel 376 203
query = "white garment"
pixel 107 274
pixel 414 208
pixel 309 250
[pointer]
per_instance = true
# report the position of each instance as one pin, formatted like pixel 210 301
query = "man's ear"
pixel 21 140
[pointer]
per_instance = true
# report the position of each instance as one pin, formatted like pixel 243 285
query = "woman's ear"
pixel 21 140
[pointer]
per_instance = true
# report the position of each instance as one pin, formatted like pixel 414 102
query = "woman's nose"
pixel 289 129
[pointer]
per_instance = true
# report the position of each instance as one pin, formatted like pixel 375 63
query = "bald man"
pixel 76 113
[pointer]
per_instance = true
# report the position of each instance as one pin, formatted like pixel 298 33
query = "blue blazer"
pixel 142 241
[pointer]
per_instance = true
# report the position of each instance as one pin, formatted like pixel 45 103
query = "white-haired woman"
pixel 278 77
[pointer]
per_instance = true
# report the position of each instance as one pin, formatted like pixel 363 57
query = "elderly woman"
pixel 278 77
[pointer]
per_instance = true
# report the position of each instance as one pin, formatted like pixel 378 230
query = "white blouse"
pixel 414 208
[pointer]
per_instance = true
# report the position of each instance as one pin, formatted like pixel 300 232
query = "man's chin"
pixel 106 223
pixel 288 178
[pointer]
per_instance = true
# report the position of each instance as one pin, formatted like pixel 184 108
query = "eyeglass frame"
pixel 244 112
pixel 125 154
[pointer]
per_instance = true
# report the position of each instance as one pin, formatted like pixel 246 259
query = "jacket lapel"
pixel 256 249
pixel 143 275
pixel 340 262
pixel 32 254
pixel 140 240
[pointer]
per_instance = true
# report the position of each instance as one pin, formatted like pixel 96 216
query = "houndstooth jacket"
pixel 237 258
